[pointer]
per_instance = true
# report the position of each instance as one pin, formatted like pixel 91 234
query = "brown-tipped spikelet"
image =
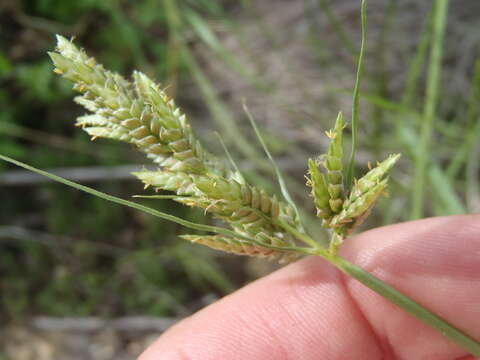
pixel 240 247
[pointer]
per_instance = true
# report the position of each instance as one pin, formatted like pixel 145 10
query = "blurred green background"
pixel 65 253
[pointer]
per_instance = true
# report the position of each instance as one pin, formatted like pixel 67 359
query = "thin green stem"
pixel 407 304
pixel 433 82
pixel 356 96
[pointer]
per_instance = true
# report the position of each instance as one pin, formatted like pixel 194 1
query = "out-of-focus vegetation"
pixel 64 253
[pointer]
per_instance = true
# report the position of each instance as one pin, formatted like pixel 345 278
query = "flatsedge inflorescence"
pixel 342 211
pixel 139 112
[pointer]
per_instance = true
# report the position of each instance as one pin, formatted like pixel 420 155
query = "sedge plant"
pixel 139 112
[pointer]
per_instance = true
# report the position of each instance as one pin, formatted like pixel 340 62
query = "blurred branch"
pixel 52 140
pixel 80 174
pixel 91 324
pixel 20 233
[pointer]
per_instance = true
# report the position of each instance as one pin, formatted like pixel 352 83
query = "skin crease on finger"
pixel 309 310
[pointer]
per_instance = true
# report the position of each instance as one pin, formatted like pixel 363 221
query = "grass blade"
pixel 433 82
pixel 450 202
pixel 472 128
pixel 416 64
pixel 446 195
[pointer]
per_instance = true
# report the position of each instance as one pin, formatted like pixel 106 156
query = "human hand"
pixel 309 310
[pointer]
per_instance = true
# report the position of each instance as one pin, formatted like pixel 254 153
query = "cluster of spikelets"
pixel 140 112
pixel 341 210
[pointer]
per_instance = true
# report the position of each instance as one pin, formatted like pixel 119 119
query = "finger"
pixel 306 311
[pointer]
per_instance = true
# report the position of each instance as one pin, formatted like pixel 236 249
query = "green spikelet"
pixel 327 189
pixel 334 166
pixel 370 179
pixel 364 194
pixel 179 182
pixel 248 209
pixel 359 206
pixel 320 194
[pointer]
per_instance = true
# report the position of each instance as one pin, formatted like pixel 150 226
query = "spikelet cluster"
pixel 140 113
pixel 137 112
pixel 363 195
pixel 343 210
